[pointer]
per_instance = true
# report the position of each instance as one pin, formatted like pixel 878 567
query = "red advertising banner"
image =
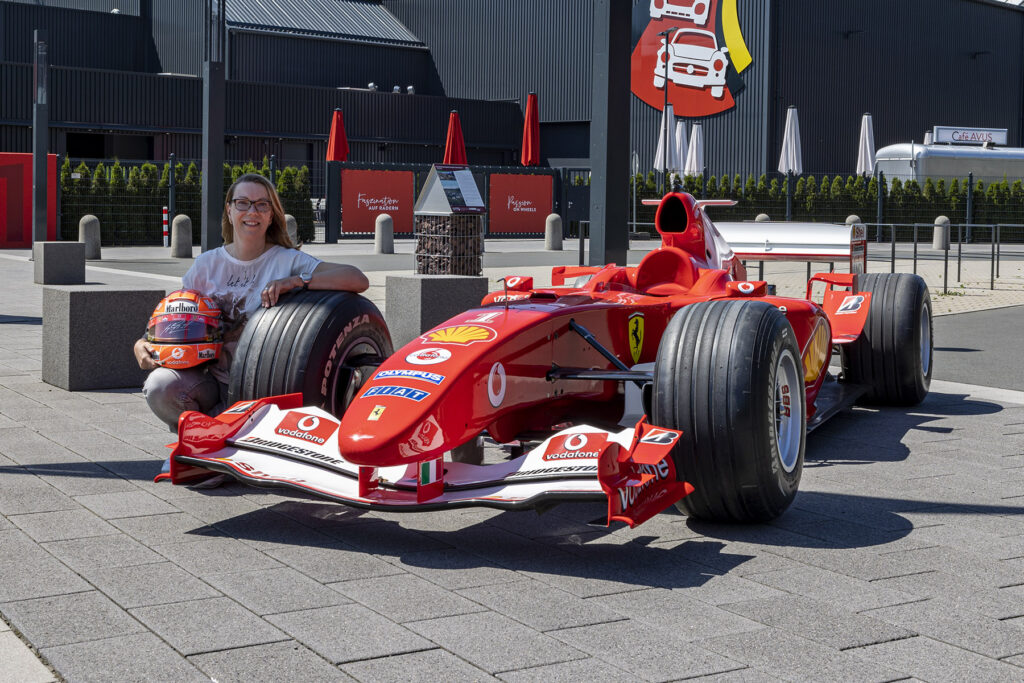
pixel 519 203
pixel 367 194
pixel 16 199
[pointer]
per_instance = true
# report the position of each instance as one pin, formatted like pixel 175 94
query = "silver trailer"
pixel 909 161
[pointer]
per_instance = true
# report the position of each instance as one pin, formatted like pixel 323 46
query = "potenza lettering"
pixel 370 203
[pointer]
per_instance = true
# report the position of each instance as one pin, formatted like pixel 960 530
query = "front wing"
pixel 271 442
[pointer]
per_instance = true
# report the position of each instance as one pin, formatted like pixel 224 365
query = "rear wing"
pixel 779 241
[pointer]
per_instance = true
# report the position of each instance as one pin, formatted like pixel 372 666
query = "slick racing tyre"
pixel 893 355
pixel 322 344
pixel 729 375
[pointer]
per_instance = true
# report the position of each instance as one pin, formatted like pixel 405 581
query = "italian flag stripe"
pixel 430 471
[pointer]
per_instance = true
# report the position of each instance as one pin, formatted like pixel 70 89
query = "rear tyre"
pixel 729 376
pixel 893 355
pixel 322 344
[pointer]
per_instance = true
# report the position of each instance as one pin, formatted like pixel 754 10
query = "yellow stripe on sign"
pixel 738 52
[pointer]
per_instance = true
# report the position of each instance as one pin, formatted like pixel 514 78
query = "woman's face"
pixel 252 223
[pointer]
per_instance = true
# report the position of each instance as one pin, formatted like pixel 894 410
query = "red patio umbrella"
pixel 337 143
pixel 454 146
pixel 529 155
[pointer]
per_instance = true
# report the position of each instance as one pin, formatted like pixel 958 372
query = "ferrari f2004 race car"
pixel 677 381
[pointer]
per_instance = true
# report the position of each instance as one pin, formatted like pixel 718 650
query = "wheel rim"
pixel 352 373
pixel 789 419
pixel 926 341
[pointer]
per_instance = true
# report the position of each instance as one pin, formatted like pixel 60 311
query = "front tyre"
pixel 729 375
pixel 893 355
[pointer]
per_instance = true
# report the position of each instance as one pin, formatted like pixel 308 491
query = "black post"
pixel 704 185
pixel 664 116
pixel 789 195
pixel 332 221
pixel 40 133
pixel 273 169
pixel 970 204
pixel 609 148
pixel 880 178
pixel 213 125
pixel 172 190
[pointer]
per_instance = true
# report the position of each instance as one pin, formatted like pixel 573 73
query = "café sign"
pixel 969 136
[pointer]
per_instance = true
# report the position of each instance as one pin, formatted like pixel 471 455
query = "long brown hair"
pixel 277 232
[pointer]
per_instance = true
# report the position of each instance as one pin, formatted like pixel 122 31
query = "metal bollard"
pixel 181 237
pixel 553 232
pixel 384 234
pixel 89 235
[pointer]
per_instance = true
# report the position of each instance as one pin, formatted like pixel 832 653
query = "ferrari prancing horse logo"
pixel 635 328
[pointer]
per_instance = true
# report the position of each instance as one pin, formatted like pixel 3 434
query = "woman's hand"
pixel 275 288
pixel 144 355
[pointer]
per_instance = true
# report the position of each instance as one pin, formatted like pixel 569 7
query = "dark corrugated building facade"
pixel 125 84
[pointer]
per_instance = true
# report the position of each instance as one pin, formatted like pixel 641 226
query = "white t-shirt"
pixel 236 286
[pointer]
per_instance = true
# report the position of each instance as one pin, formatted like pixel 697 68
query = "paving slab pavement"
pixel 903 555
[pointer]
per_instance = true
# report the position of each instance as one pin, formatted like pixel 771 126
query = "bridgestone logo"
pixel 570 469
pixel 305 436
pixel 297 450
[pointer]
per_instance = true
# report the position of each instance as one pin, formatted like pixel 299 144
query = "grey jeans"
pixel 169 393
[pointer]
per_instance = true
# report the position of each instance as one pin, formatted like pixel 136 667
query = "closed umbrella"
pixel 791 160
pixel 454 146
pixel 665 157
pixel 680 143
pixel 695 155
pixel 337 143
pixel 866 147
pixel 529 155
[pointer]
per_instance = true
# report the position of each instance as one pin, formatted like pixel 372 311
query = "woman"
pixel 257 264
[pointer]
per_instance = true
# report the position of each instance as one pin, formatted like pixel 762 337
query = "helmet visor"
pixel 183 329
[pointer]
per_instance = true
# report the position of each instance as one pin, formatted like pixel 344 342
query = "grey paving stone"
pixel 591 670
pixel 964 564
pixel 644 651
pixel 209 625
pixel 265 529
pixel 332 562
pixel 101 551
pixel 80 478
pixel 844 591
pixel 160 529
pixel 473 636
pixel 273 663
pixel 670 611
pixel 27 447
pixel 819 620
pixel 22 492
pixel 385 538
pixel 416 667
pixel 148 584
pixel 737 558
pixel 270 591
pixel 930 660
pixel 62 525
pixel 20 664
pixel 65 619
pixel 125 504
pixel 942 621
pixel 998 603
pixel 344 633
pixel 138 658
pixel 210 506
pixel 718 589
pixel 5 524
pixel 215 554
pixel 787 656
pixel 454 569
pixel 540 606
pixel 405 597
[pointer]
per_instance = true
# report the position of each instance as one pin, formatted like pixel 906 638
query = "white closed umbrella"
pixel 695 155
pixel 791 159
pixel 680 143
pixel 666 157
pixel 866 147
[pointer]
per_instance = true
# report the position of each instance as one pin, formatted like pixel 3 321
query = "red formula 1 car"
pixel 678 381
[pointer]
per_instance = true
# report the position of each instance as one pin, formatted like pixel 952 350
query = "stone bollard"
pixel 58 263
pixel 852 219
pixel 762 218
pixel 940 236
pixel 292 227
pixel 553 232
pixel 89 235
pixel 181 237
pixel 384 234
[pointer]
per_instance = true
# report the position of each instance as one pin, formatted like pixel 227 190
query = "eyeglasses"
pixel 243 205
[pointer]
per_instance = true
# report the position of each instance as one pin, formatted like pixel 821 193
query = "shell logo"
pixel 463 335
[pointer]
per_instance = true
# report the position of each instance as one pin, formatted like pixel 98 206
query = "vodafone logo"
pixel 576 441
pixel 177 353
pixel 305 427
pixel 496 385
pixel 430 356
pixel 573 448
pixel 745 287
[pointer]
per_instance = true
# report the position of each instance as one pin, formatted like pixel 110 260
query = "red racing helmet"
pixel 185 330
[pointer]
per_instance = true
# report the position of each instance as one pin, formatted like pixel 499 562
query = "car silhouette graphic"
pixel 694 60
pixel 693 10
